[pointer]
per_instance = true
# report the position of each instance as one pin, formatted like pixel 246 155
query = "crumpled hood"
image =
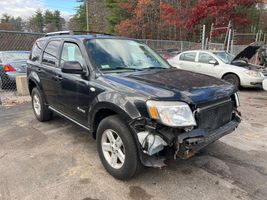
pixel 173 84
pixel 248 52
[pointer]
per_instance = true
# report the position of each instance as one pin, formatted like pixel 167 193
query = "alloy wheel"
pixel 113 149
pixel 37 105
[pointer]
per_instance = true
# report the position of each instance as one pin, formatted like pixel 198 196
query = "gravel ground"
pixel 11 98
pixel 58 160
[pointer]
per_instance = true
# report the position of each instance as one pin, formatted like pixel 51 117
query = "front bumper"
pixel 264 84
pixel 173 142
pixel 191 142
pixel 252 82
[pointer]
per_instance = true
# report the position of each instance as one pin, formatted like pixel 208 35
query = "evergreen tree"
pixel 118 13
pixel 38 21
pixel 78 22
pixel 11 23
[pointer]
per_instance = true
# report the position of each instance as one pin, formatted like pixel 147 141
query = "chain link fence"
pixel 171 44
pixel 14 52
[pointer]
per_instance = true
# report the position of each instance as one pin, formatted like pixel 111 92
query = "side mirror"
pixel 213 62
pixel 72 67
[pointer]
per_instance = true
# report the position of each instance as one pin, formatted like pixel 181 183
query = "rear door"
pixel 187 61
pixel 49 72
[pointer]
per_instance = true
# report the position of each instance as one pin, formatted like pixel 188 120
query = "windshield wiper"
pixel 121 68
pixel 154 68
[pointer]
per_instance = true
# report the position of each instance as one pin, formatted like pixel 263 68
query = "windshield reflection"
pixel 225 57
pixel 120 54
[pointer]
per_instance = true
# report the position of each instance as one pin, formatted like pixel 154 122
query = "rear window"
pixel 50 53
pixel 37 50
pixel 188 57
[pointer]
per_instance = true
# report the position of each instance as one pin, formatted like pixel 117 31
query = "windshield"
pixel 13 56
pixel 225 57
pixel 119 54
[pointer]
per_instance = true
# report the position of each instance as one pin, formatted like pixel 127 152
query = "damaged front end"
pixel 157 142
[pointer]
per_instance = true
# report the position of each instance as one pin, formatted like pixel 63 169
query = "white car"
pixel 222 65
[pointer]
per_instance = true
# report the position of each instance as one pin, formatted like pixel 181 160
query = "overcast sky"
pixel 26 8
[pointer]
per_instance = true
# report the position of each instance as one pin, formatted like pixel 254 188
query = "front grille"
pixel 213 117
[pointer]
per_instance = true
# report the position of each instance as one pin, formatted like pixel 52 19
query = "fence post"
pixel 207 43
pixel 257 37
pixel 260 35
pixel 229 40
pixel 203 36
pixel 232 46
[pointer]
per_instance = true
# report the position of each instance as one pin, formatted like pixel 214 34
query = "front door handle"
pixel 39 70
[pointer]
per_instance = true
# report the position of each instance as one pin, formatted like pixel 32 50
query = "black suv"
pixel 139 108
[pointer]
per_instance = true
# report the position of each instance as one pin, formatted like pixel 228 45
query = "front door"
pixel 75 95
pixel 205 66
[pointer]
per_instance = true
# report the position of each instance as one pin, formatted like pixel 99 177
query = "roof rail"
pixel 75 33
pixel 59 33
pixel 91 32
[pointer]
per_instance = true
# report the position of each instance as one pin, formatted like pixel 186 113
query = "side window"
pixel 50 53
pixel 205 58
pixel 71 52
pixel 188 57
pixel 37 50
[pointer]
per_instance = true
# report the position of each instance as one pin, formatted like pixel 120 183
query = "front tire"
pixel 117 148
pixel 233 79
pixel 40 110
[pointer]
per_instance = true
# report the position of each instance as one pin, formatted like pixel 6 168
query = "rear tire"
pixel 120 159
pixel 40 110
pixel 233 79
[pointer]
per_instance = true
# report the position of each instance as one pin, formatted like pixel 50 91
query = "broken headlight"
pixel 174 114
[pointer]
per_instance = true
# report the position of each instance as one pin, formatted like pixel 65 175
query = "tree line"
pixel 175 19
pixel 151 19
pixel 41 21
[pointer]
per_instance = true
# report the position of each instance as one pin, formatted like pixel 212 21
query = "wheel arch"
pixel 105 109
pixel 232 73
pixel 32 83
pixel 228 73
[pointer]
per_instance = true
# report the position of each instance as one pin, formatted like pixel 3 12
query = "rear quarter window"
pixel 37 50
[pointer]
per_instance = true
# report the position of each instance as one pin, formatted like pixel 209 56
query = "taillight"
pixel 9 68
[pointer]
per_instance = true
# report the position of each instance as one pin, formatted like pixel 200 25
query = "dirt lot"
pixel 58 160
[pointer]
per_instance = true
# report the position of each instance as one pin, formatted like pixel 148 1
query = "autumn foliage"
pixel 177 18
pixel 220 12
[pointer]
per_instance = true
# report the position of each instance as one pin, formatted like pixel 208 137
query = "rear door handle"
pixel 59 77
